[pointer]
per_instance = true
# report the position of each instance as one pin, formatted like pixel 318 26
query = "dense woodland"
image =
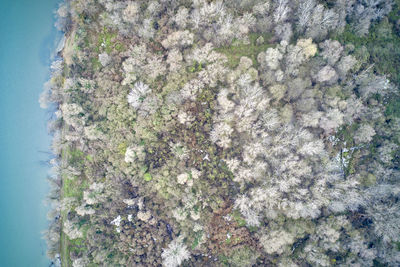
pixel 226 133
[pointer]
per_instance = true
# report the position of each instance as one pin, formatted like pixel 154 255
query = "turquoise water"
pixel 26 39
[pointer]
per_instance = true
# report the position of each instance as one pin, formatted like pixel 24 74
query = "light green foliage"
pixel 147 177
pixel 196 67
pixel 122 148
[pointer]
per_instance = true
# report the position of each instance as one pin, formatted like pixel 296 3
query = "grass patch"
pixel 107 42
pixel 237 50
pixel 77 245
pixel 65 251
pixel 74 187
pixel 75 157
pixel 69 187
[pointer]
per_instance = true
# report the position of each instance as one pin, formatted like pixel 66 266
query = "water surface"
pixel 26 39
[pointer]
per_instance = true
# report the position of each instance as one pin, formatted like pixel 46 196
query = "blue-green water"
pixel 26 39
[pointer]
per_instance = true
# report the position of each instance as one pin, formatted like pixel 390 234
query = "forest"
pixel 225 133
